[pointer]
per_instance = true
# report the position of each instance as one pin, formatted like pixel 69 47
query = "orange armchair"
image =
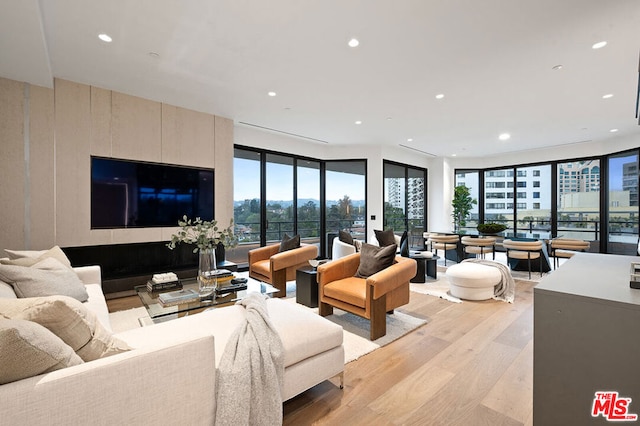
pixel 370 298
pixel 269 265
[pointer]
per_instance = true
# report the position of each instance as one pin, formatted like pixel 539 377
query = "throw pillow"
pixel 45 278
pixel 29 349
pixel 289 243
pixel 68 319
pixel 25 257
pixel 404 245
pixel 385 238
pixel 345 237
pixel 374 259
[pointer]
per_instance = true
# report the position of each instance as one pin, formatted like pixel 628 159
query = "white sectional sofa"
pixel 169 376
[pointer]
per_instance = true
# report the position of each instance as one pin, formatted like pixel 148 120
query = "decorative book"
pixel 178 297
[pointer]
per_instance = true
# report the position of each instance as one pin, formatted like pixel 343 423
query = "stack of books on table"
pixel 224 276
pixel 166 281
pixel 178 297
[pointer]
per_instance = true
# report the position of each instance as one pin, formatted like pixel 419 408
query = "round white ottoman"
pixel 472 281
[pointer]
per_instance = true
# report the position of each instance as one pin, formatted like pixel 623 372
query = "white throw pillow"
pixel 28 349
pixel 47 277
pixel 30 257
pixel 68 319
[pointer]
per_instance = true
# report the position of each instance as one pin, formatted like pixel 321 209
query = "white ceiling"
pixel 492 60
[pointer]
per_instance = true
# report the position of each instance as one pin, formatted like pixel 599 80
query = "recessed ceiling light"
pixel 453 155
pixel 556 67
pixel 410 140
pixel 358 122
pixel 389 118
pixel 272 94
pixel 599 45
pixel 353 42
pixel 613 130
pixel 439 96
pixel 607 96
pixel 504 136
pixel 105 37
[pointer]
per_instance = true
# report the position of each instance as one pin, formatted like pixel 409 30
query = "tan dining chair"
pixel 479 246
pixel 524 250
pixel 565 248
pixel 443 242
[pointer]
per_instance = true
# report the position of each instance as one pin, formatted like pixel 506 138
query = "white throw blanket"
pixel 506 289
pixel 251 370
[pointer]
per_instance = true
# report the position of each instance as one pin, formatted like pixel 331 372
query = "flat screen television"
pixel 133 194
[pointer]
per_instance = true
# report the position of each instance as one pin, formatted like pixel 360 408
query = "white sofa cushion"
pixel 303 333
pixel 68 319
pixel 48 277
pixel 28 349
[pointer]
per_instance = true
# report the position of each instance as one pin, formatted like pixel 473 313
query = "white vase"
pixel 207 281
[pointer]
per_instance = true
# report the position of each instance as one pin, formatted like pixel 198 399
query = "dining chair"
pixel 524 250
pixel 443 242
pixel 479 246
pixel 566 247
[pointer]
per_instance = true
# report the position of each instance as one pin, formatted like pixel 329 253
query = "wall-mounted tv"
pixel 133 194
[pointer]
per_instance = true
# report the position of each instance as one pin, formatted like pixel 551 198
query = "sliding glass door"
pixel 279 198
pixel 623 203
pixel 345 189
pixel 404 200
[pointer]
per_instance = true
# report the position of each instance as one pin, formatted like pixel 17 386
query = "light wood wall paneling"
pixel 100 122
pixel 73 186
pixel 12 206
pixel 136 128
pixel 224 170
pixel 41 201
pixel 187 137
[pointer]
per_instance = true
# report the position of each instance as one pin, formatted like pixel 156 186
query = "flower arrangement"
pixel 203 234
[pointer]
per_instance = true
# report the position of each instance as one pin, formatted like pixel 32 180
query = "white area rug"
pixel 356 329
pixel 438 288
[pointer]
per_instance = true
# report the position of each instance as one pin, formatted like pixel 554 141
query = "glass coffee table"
pixel 159 313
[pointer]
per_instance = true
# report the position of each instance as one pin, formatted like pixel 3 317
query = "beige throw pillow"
pixel 31 257
pixel 68 319
pixel 47 277
pixel 28 349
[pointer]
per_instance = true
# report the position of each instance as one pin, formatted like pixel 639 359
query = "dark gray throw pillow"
pixel 345 237
pixel 385 238
pixel 374 259
pixel 289 243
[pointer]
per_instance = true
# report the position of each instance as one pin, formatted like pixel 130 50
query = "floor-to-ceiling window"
pixel 345 189
pixel 532 195
pixel 279 197
pixel 622 203
pixel 308 194
pixel 471 179
pixel 405 200
pixel 277 193
pixel 578 200
pixel 498 197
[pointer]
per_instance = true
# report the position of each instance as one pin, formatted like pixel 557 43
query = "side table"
pixel 427 266
pixel 307 287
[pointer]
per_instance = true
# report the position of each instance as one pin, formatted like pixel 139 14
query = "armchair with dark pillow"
pixel 276 264
pixel 343 245
pixel 369 284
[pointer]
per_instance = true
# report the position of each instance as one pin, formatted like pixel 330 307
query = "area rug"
pixel 438 288
pixel 356 329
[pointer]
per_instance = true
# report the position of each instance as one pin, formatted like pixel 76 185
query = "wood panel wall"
pixel 48 136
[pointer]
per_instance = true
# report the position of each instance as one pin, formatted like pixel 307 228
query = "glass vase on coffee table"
pixel 207 278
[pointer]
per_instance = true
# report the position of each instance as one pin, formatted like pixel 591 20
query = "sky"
pixel 247 182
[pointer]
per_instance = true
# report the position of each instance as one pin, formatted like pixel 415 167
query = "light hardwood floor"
pixel 471 364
